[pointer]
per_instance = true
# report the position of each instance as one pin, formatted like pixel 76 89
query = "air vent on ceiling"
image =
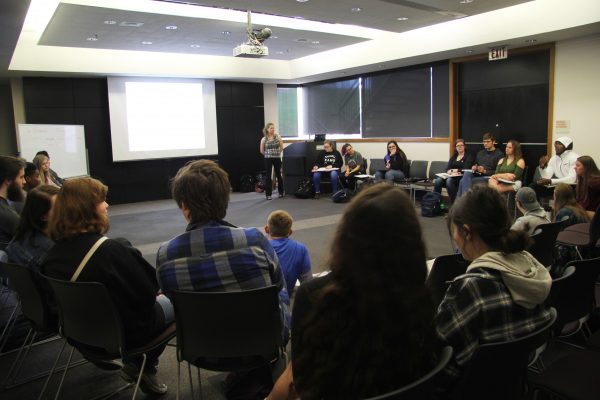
pixel 451 14
pixel 131 24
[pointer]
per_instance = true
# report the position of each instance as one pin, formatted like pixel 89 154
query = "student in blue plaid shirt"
pixel 501 295
pixel 212 255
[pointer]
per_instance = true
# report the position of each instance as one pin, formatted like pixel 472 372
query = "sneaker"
pixel 149 383
pixel 317 196
pixel 269 198
pixel 281 195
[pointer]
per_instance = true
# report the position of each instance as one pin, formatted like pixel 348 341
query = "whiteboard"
pixel 64 143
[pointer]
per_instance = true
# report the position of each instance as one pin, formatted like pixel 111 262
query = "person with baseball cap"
pixel 533 213
pixel 559 168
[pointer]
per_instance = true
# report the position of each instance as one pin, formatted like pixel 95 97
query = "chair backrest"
pixel 436 167
pixel 573 295
pixel 444 270
pixel 32 300
pixel 422 387
pixel 215 330
pixel 88 316
pixel 499 370
pixel 544 241
pixel 376 164
pixel 418 169
pixel 595 228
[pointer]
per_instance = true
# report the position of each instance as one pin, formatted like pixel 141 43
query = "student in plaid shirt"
pixel 212 255
pixel 501 295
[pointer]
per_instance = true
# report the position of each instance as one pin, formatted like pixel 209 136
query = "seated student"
pixel 533 213
pixel 12 179
pixel 461 159
pixel 78 222
pixel 558 169
pixel 53 173
pixel 588 184
pixel 565 207
pixel 365 328
pixel 354 162
pixel 293 256
pixel 327 158
pixel 32 177
pixel 501 296
pixel 509 168
pixel 484 167
pixel 43 165
pixel 396 164
pixel 31 241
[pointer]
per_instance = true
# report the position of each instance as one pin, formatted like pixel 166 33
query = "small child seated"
pixel 293 256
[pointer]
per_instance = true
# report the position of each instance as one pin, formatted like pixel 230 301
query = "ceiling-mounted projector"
pixel 254 47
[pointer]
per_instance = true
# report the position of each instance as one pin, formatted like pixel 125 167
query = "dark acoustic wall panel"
pixel 8 137
pixel 240 120
pixel 508 98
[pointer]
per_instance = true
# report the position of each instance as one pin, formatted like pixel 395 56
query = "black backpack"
pixel 305 189
pixel 430 204
pixel 342 196
pixel 247 183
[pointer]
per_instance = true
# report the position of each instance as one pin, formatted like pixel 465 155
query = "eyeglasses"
pixel 460 145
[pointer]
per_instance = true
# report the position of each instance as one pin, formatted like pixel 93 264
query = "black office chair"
pixel 436 167
pixel 237 331
pixel 443 271
pixel 91 323
pixel 584 237
pixel 422 387
pixel 498 371
pixel 544 241
pixel 35 309
pixel 573 296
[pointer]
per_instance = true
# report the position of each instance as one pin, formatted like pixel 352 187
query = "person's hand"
pixel 328 167
pixel 480 169
pixel 544 161
pixel 387 165
pixel 474 168
pixel 393 151
pixel 544 181
pixel 315 168
pixel 494 176
pixel 511 177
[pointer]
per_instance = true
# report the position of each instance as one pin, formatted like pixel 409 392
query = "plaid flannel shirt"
pixel 477 309
pixel 217 257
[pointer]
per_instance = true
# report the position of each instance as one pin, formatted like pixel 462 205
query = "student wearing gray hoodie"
pixel 501 295
pixel 533 213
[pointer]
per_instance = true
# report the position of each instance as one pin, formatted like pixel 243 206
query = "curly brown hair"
pixel 371 329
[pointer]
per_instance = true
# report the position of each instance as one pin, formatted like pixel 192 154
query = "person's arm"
pixel 262 146
pixel 306 273
pixel 284 387
pixel 338 159
pixel 519 169
pixel 319 161
pixel 547 167
pixel 280 143
pixel 469 160
pixel 571 176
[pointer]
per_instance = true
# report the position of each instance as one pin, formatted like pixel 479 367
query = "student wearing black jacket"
pixel 461 159
pixel 328 158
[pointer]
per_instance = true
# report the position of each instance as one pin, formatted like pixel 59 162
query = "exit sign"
pixel 498 53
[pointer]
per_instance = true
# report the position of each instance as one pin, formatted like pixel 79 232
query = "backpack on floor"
pixel 260 182
pixel 342 196
pixel 430 204
pixel 305 190
pixel 247 183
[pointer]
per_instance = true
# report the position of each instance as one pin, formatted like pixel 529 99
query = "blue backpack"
pixel 430 204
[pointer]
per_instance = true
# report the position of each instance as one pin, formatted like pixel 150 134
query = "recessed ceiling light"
pixel 302 40
pixel 468 51
pixel 530 41
pixel 356 9
pixel 315 42
pixel 110 22
pixel 226 33
pixel 131 24
pixel 171 27
pixel 274 37
pixel 195 46
pixel 92 38
pixel 402 18
pixel 301 1
pixel 279 52
pixel 146 42
pixel 465 1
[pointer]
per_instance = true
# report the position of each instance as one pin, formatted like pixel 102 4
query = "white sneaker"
pixel 149 383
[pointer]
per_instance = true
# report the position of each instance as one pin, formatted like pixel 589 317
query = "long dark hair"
pixel 517 150
pixel 484 211
pixel 37 205
pixel 583 182
pixel 371 328
pixel 400 153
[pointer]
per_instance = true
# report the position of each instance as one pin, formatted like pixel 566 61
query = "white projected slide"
pixel 162 118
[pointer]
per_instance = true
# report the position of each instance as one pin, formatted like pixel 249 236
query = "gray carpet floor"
pixel 149 224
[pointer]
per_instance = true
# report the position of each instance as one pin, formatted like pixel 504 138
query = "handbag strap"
pixel 87 257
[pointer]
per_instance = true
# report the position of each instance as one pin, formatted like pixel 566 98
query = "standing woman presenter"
pixel 271 146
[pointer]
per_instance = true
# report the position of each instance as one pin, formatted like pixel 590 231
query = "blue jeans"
pixel 451 186
pixel 469 180
pixel 389 175
pixel 334 175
